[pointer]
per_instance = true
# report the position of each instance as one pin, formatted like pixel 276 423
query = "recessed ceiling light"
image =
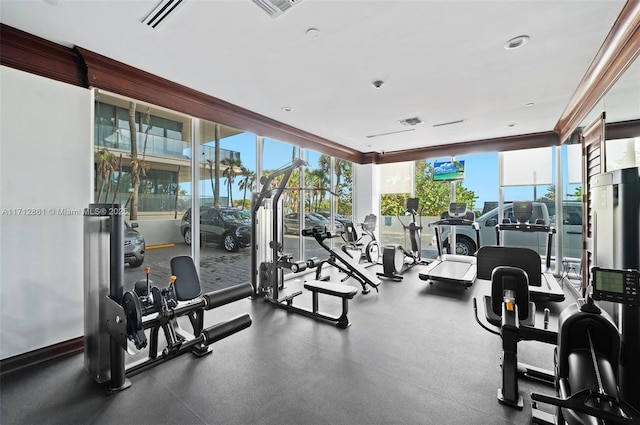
pixel 287 108
pixel 516 42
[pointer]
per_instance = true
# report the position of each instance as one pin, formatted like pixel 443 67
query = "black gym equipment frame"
pixel 394 256
pixel 268 259
pixel 509 308
pixel 342 261
pixel 545 286
pixel 112 317
pixel 588 363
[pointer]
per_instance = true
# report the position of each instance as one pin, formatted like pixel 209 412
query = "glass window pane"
pixel 227 179
pixel 527 167
pixel 622 153
pixel 154 189
pixel 277 155
pixel 317 203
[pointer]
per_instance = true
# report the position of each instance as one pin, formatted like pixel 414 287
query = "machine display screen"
pixel 609 281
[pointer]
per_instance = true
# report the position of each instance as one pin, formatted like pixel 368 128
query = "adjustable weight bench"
pixel 345 292
pixel 342 261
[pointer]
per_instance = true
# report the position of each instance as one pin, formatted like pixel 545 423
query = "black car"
pixel 226 226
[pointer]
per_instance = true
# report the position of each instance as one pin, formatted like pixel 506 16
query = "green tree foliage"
pixel 434 196
pixel 577 193
pixel 549 196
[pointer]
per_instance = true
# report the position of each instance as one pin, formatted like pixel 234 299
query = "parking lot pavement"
pixel 218 268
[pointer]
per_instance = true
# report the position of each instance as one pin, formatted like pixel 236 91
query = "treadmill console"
pixel 522 210
pixel 618 286
pixel 457 209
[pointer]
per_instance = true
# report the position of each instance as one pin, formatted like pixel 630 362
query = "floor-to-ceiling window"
pixel 275 156
pixel 317 198
pixel 226 179
pixel 468 179
pixel 141 162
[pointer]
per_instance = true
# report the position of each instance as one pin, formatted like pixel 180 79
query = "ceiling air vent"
pixel 160 13
pixel 276 8
pixel 410 122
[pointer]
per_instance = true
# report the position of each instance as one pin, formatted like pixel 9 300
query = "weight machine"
pixel 115 320
pixel 268 258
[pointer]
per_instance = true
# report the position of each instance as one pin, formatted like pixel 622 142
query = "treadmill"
pixel 453 268
pixel 542 283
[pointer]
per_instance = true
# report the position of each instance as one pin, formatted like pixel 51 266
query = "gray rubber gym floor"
pixel 413 355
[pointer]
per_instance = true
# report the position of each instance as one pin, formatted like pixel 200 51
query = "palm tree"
pixel 248 182
pixel 139 166
pixel 319 181
pixel 105 166
pixel 211 166
pixel 231 165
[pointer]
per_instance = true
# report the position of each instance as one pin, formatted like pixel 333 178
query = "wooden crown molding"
pixel 107 74
pixel 619 50
pixel 23 51
pixel 525 141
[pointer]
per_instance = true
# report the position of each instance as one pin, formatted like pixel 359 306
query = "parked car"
pixel 311 219
pixel 571 240
pixel 337 218
pixel 226 226
pixel 134 245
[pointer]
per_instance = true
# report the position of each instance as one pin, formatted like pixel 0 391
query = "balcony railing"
pixel 108 137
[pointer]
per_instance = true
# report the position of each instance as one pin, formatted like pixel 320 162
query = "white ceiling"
pixel 441 61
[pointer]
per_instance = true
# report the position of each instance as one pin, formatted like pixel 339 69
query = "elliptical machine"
pixel 371 251
pixel 395 259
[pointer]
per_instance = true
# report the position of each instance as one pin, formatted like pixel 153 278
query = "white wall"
pixel 367 196
pixel 45 165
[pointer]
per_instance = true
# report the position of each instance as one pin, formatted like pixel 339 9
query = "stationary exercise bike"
pixel 395 259
pixel 509 309
pixel 366 243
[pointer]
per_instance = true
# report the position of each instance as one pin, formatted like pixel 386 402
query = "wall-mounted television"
pixel 445 171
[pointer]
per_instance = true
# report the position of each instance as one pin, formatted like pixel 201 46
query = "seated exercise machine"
pixel 268 259
pixel 366 243
pixel 542 284
pixel 510 309
pixel 342 261
pixel 112 318
pixel 395 259
pixel 151 308
pixel 452 268
pixel 588 365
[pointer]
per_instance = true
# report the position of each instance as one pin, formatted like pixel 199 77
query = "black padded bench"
pixel 345 292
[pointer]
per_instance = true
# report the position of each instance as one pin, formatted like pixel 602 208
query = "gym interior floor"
pixel 413 355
